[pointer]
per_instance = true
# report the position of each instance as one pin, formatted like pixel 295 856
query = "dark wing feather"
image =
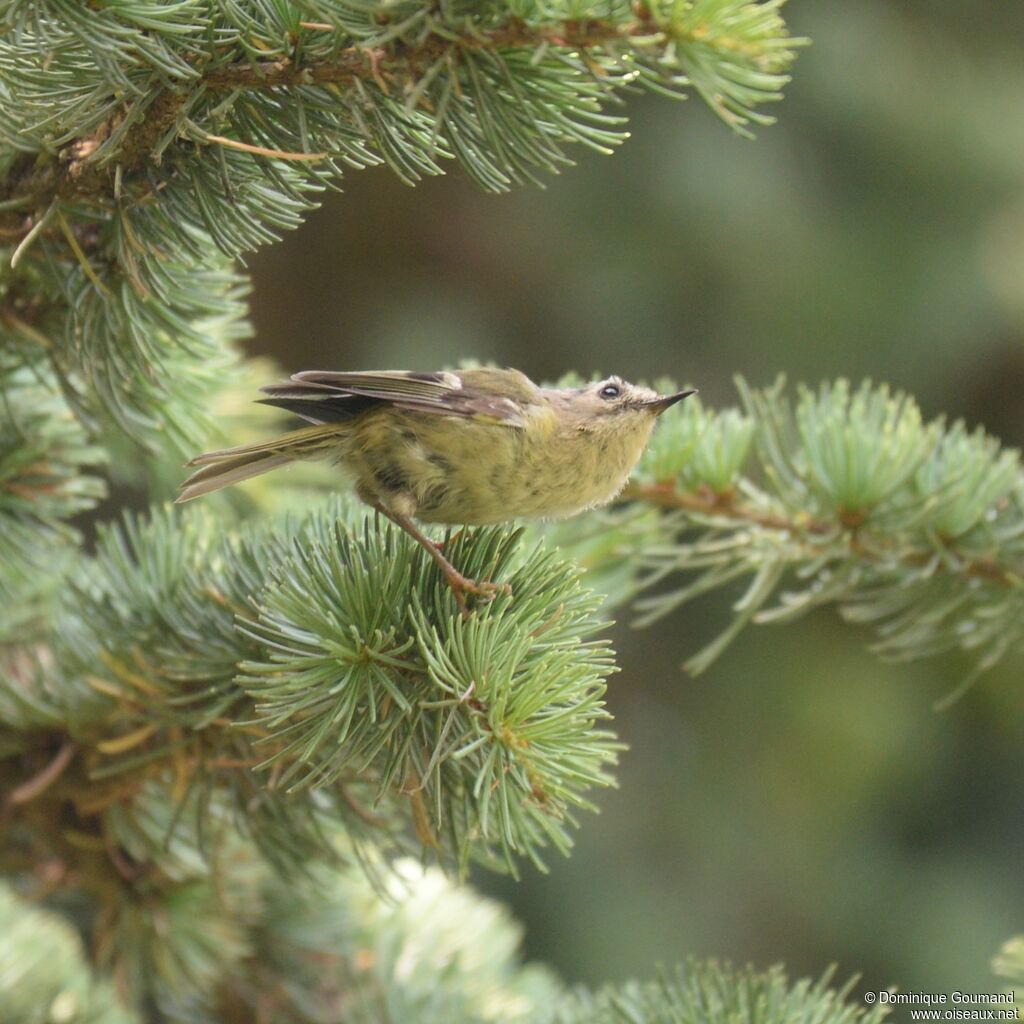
pixel 321 409
pixel 324 396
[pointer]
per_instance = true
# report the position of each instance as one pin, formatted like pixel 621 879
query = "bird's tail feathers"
pixel 232 465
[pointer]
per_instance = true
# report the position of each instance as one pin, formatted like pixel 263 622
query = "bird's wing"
pixel 323 396
pixel 383 384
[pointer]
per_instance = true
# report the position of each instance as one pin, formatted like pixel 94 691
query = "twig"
pixel 278 154
pixel 707 502
pixel 360 811
pixel 33 233
pixel 80 255
pixel 47 777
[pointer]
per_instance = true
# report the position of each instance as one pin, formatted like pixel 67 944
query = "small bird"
pixel 467 448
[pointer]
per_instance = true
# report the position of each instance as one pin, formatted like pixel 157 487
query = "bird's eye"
pixel 610 391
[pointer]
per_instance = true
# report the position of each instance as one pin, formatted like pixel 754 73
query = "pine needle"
pixel 277 154
pixel 80 255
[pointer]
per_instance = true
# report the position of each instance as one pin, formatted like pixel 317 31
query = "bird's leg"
pixel 460 585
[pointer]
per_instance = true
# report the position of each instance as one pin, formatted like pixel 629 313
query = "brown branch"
pixel 47 777
pixel 707 502
pixel 356 62
pixel 359 810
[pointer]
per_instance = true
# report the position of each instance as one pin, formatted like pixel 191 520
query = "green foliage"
pixel 490 720
pixel 140 340
pixel 46 477
pixel 706 993
pixel 732 54
pixel 424 951
pixel 337 652
pixel 44 976
pixel 848 498
pixel 428 952
pixel 175 944
pixel 849 454
pixel 701 448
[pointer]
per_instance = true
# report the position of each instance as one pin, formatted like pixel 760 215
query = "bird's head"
pixel 614 404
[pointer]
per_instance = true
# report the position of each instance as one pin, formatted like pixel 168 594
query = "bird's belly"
pixel 491 474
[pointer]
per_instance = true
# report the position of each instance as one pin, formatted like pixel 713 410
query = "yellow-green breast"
pixel 464 471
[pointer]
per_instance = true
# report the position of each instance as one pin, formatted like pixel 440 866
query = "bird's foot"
pixel 461 585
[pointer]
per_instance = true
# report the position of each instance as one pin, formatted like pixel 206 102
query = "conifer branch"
pixel 317 676
pixel 705 504
pixel 398 64
pixel 699 992
pixel 841 497
pixel 47 475
pixel 256 947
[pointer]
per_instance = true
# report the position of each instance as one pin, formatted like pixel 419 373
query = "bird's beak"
pixel 663 402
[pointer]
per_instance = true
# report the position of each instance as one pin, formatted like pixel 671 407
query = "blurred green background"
pixel 801 801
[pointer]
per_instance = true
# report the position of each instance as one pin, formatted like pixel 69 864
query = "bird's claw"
pixel 484 589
